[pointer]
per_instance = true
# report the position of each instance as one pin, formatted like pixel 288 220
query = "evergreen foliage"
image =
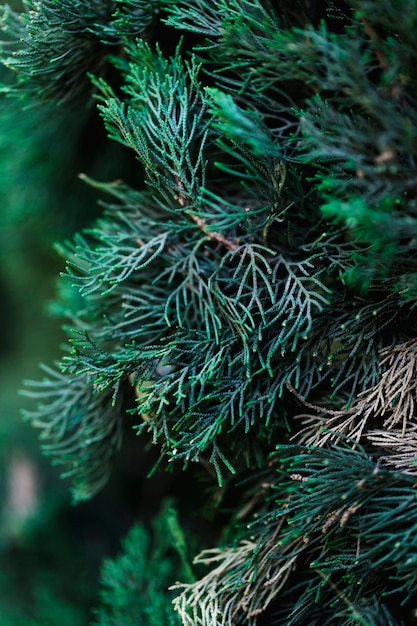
pixel 252 305
pixel 135 584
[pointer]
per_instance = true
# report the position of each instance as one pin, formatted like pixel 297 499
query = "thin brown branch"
pixel 214 235
pixel 202 223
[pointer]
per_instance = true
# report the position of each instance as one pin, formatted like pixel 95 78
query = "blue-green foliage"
pixel 52 45
pixel 258 285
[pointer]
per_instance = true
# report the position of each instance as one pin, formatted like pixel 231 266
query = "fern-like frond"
pixel 135 584
pixel 59 40
pixel 130 19
pixel 164 122
pixel 397 449
pixel 80 428
pixel 232 592
pixel 114 259
pixel 391 402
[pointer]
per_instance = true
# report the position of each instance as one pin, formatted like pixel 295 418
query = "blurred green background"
pixel 50 551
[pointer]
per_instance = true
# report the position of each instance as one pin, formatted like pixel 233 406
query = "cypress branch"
pixel 258 288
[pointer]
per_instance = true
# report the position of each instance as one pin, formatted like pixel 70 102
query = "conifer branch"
pixel 391 401
pixel 252 280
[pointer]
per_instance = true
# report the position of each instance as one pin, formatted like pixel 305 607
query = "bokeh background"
pixel 50 551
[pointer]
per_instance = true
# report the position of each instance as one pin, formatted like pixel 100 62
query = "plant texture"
pixel 247 299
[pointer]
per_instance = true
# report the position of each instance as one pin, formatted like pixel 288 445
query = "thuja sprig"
pixel 80 428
